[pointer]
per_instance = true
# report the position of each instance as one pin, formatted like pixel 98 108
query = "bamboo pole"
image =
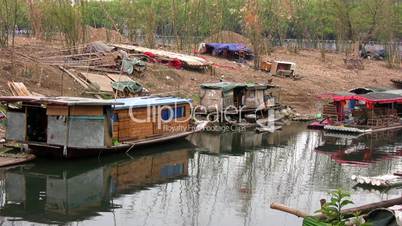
pixel 347 212
pixel 82 83
pixel 283 208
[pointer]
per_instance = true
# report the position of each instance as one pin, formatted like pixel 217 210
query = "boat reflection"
pixel 362 150
pixel 236 143
pixel 62 192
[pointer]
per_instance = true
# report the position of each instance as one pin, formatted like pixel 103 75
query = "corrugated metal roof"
pixel 394 91
pixel 381 96
pixel 69 101
pixel 74 101
pixel 137 102
pixel 19 98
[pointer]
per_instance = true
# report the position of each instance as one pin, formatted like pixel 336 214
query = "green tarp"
pixel 129 65
pixel 131 86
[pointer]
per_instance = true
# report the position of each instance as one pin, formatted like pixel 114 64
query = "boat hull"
pixel 44 150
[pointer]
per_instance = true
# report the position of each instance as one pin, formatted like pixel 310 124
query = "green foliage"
pixel 359 221
pixel 191 21
pixel 332 210
pixel 115 142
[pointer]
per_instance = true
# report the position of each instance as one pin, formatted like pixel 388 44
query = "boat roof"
pixel 137 102
pixel 228 86
pixel 284 62
pixel 394 91
pixel 384 97
pixel 69 101
pixel 367 89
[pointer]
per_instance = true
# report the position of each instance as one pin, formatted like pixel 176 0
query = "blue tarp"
pixel 218 48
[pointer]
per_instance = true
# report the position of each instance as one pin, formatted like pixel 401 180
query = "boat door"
pixel 36 124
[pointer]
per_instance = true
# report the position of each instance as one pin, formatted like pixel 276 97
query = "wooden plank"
pixel 86 110
pixel 135 130
pixel 57 110
pixel 18 89
pixel 118 77
pixel 77 79
pixel 101 81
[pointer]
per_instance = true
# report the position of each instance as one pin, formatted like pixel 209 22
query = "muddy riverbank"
pixel 317 76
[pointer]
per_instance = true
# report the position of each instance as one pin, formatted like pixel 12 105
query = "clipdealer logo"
pixel 173 117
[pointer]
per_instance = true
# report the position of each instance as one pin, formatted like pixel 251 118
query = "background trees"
pixel 188 21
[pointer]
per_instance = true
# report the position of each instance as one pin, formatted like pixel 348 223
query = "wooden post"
pixel 62 80
pixel 283 208
pixel 65 151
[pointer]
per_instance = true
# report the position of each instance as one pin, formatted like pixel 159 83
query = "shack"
pixel 244 97
pixel 57 125
pixel 283 68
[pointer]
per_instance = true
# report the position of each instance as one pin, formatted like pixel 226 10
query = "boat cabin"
pixel 247 97
pixel 85 125
pixel 363 112
pixel 147 117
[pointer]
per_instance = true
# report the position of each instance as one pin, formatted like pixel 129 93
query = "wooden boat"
pixel 370 112
pixel 74 127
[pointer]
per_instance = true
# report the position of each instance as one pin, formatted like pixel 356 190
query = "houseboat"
pixel 74 126
pixel 362 112
pixel 237 98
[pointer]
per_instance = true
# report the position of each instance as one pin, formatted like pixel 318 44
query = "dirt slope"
pixel 318 76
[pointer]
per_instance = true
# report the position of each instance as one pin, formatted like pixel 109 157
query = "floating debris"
pixel 389 180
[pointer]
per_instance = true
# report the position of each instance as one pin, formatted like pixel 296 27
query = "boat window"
pixel 115 117
pixel 178 112
pixel 165 114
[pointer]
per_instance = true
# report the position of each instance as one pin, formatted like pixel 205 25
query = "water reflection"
pixel 363 150
pixel 236 143
pixel 71 191
pixel 225 179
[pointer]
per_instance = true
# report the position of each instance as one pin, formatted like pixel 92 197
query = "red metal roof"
pixel 373 97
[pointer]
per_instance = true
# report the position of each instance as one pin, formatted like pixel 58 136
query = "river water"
pixel 212 179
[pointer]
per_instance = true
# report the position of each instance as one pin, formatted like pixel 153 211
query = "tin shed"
pixel 219 96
